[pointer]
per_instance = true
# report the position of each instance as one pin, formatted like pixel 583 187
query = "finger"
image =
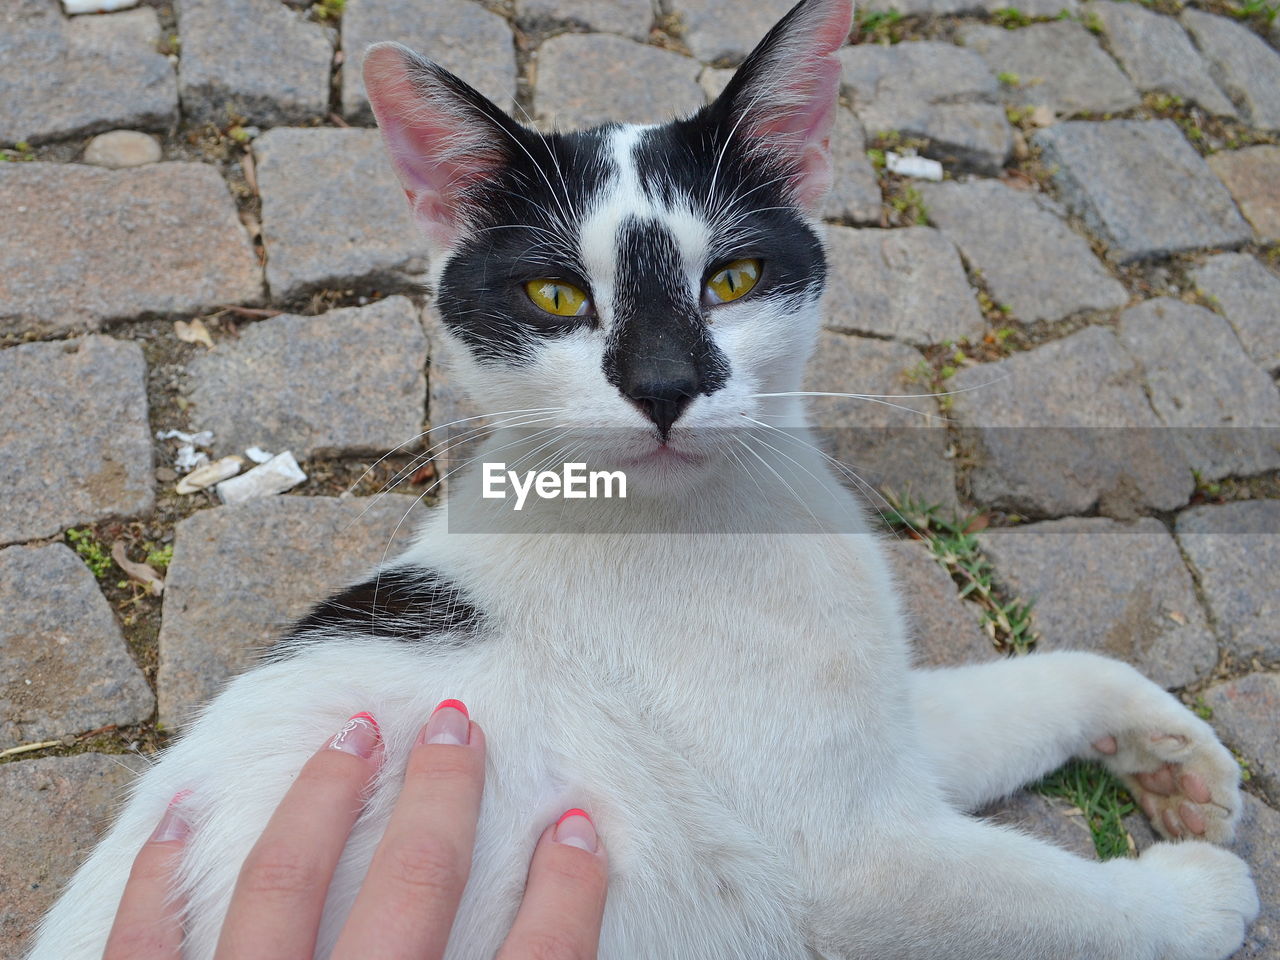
pixel 411 893
pixel 563 905
pixel 275 909
pixel 148 924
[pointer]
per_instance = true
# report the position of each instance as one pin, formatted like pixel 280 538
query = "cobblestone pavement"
pixel 1101 260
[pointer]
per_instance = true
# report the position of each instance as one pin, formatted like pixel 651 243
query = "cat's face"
pixel 641 286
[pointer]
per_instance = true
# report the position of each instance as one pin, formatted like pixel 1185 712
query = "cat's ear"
pixel 782 100
pixel 444 137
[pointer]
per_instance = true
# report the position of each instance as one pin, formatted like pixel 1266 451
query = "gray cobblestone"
pixel 1235 551
pixel 1158 55
pixel 54 810
pixel 82 244
pixel 933 90
pixel 907 284
pixel 461 36
pixel 1243 65
pixel 630 18
pixel 945 630
pixel 1253 177
pixel 1141 187
pixel 1082 573
pixel 1246 712
pixel 76 447
pixel 1058 65
pixel 240 575
pixel 1043 425
pixel 885 446
pixel 275 72
pixel 1258 842
pixel 1200 379
pixel 855 191
pixel 1031 260
pixel 105 71
pixel 65 665
pixel 333 213
pixel 1247 293
pixel 724 30
pixel 585 80
pixel 348 381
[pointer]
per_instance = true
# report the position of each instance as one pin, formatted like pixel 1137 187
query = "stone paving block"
pixel 54 810
pixel 933 90
pixel 1083 574
pixel 105 70
pixel 242 574
pixel 76 445
pixel 1141 187
pixel 1031 260
pixel 945 630
pixel 1258 842
pixel 1253 177
pixel 117 149
pixel 906 284
pixel 461 36
pixel 275 73
pixel 725 31
pixel 346 382
pixel 1046 818
pixel 1248 294
pixel 333 213
pixel 1059 65
pixel 1158 55
pixel 855 191
pixel 1235 550
pixel 713 80
pixel 588 79
pixel 885 446
pixel 1244 66
pixel 82 245
pixel 1200 378
pixel 1246 713
pixel 456 424
pixel 65 665
pixel 1066 428
pixel 631 18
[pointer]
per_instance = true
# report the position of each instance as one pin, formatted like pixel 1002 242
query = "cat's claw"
pixel 1185 781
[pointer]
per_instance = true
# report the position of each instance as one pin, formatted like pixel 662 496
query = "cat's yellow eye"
pixel 733 280
pixel 557 297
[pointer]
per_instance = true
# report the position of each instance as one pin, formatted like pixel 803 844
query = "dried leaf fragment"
pixel 137 571
pixel 193 332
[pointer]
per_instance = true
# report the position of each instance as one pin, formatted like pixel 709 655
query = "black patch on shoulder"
pixel 410 604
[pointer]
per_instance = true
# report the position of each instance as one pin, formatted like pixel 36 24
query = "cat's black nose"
pixel 663 398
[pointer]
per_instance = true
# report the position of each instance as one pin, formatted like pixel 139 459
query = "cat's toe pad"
pixel 1185 781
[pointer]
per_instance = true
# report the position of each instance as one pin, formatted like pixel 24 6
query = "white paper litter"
pixel 922 168
pixel 96 6
pixel 210 474
pixel 201 439
pixel 277 475
pixel 258 455
pixel 189 458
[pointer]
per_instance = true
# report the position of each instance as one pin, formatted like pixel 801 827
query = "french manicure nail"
pixel 359 736
pixel 575 829
pixel 172 826
pixel 450 723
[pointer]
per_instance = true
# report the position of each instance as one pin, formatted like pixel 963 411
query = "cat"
pixel 735 704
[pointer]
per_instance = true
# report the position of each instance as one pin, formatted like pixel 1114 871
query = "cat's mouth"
pixel 663 452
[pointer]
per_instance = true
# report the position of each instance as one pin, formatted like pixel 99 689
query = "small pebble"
pixel 166 475
pixel 122 148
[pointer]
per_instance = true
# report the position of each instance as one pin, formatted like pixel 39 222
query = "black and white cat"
pixel 737 710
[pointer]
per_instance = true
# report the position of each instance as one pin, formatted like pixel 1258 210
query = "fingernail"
pixel 359 736
pixel 575 829
pixel 450 723
pixel 172 825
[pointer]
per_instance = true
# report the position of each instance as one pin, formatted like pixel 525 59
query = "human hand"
pixel 410 895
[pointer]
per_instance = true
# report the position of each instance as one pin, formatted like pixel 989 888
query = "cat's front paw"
pixel 1183 778
pixel 1214 898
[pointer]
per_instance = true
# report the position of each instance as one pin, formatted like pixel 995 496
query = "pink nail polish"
pixel 359 736
pixel 172 826
pixel 450 723
pixel 575 829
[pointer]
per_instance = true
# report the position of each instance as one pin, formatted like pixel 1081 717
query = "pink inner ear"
pixel 437 149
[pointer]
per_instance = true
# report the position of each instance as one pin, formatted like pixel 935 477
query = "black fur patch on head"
pixel 409 604
pixel 527 227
